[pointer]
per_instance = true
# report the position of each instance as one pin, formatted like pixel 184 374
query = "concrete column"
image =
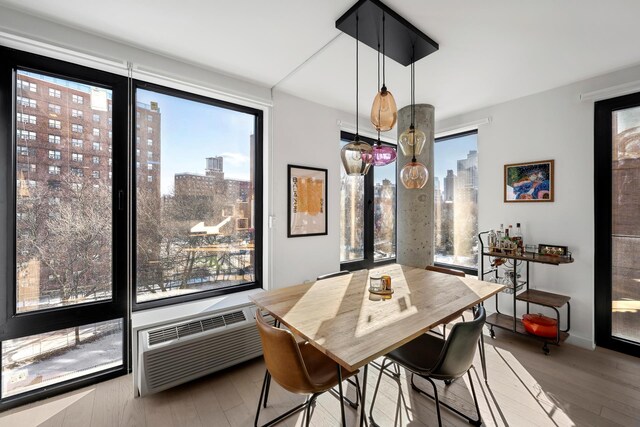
pixel 415 226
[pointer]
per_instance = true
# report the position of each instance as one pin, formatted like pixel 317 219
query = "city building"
pixel 227 197
pixel 64 139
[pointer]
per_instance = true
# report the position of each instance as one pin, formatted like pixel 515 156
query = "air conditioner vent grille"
pixel 212 323
pixel 163 335
pixel 235 317
pixel 186 329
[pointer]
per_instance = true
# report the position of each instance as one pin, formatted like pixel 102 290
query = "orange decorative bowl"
pixel 540 325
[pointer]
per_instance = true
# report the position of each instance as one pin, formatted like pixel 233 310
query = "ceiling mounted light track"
pixel 404 43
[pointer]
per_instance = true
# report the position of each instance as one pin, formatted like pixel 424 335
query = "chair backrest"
pixel 457 354
pixel 282 357
pixel 334 274
pixel 445 270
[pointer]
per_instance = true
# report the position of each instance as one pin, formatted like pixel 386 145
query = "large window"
pixel 617 223
pixel 456 200
pixel 196 196
pixel 63 312
pixel 368 216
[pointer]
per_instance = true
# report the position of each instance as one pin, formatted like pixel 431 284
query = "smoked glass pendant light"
pixel 382 154
pixel 384 112
pixel 414 175
pixel 412 140
pixel 357 155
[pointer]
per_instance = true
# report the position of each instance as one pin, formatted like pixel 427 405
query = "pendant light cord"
pixel 357 75
pixel 376 88
pixel 384 52
pixel 413 106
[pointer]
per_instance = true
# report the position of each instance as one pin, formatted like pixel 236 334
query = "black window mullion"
pixel 368 260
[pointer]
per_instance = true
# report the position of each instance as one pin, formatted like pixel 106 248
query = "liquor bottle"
pixel 500 235
pixel 517 236
pixel 492 240
pixel 509 232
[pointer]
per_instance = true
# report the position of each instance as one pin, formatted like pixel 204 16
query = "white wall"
pixel 307 134
pixel 557 125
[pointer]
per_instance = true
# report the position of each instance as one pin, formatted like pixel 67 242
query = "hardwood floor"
pixel 570 387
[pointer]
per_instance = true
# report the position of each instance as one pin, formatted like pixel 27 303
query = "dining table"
pixel 340 316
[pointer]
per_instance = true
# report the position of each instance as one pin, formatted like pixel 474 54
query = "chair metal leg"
pixel 435 393
pixel 475 399
pixel 264 384
pixel 312 402
pixel 476 422
pixel 375 392
pixel 267 387
pixel 483 358
pixel 395 365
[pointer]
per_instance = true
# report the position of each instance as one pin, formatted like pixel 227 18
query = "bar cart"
pixel 530 296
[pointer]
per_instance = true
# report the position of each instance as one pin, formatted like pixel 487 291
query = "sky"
pixel 448 152
pixel 192 131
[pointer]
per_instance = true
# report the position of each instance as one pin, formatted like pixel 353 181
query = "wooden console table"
pixel 530 296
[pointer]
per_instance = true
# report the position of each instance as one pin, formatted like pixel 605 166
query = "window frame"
pixel 17 325
pixel 603 224
pixel 368 261
pixel 467 270
pixel 257 185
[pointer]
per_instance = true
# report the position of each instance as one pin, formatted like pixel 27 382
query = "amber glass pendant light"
pixel 357 155
pixel 382 154
pixel 414 175
pixel 384 112
pixel 412 140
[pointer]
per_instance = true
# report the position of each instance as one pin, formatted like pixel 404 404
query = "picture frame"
pixel 529 182
pixel 306 201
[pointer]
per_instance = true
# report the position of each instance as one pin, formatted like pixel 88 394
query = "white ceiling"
pixel 490 51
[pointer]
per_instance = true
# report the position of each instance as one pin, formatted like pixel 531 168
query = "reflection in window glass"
pixel 351 216
pixel 384 220
pixel 194 198
pixel 625 226
pixel 456 201
pixel 63 249
pixel 43 360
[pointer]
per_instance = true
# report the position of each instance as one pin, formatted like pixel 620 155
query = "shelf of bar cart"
pixel 529 296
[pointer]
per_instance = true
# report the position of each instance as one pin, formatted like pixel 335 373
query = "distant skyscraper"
pixel 468 171
pixel 449 186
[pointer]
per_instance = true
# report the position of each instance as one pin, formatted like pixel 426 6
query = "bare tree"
pixel 67 229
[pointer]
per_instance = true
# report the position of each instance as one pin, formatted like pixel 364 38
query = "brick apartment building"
pixel 231 197
pixel 64 137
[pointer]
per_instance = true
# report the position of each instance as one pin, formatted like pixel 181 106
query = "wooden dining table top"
pixel 343 320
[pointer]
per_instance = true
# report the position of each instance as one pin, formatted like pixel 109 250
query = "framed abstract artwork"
pixel 307 200
pixel 529 182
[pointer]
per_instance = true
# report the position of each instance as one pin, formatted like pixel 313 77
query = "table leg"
pixel 344 423
pixel 364 395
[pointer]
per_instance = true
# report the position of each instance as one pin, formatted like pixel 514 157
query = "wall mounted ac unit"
pixel 173 354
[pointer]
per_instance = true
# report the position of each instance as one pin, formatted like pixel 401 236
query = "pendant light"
pixel 384 112
pixel 412 140
pixel 382 154
pixel 357 155
pixel 414 175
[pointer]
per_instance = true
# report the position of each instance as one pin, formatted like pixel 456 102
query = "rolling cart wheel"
pixel 492 333
pixel 545 349
pixel 448 382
